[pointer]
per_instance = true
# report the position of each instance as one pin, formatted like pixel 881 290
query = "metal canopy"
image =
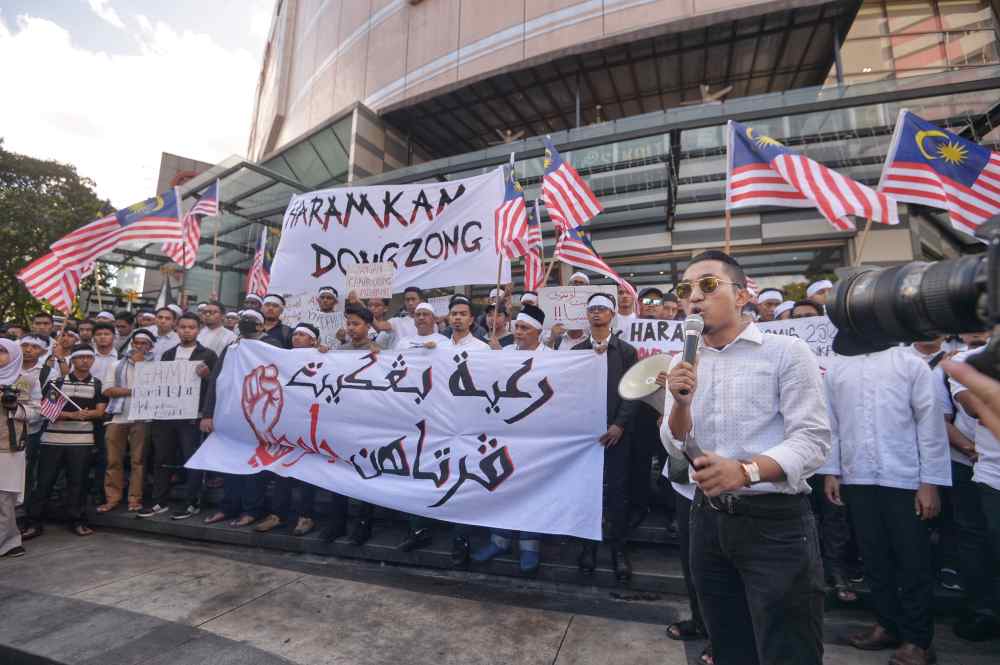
pixel 770 53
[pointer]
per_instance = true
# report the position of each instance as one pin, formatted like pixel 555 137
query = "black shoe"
pixel 637 518
pixel 361 532
pixel 14 552
pixel 331 532
pixel 978 628
pixel 415 539
pixel 588 558
pixel 623 567
pixel 460 551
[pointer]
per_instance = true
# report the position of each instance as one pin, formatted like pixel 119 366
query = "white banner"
pixel 165 390
pixel 567 305
pixel 650 336
pixel 504 440
pixel 303 308
pixel 436 234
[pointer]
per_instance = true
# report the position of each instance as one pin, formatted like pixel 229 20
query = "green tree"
pixel 40 201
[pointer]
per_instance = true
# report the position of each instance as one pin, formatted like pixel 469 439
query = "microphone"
pixel 693 326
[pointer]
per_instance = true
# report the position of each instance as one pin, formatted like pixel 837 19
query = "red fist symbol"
pixel 262 402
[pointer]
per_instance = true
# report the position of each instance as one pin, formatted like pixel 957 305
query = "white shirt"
pixel 541 348
pixel 566 343
pixel 402 327
pixel 761 394
pixel 470 342
pixel 164 342
pixel 623 321
pixel 217 339
pixel 184 352
pixel 108 381
pixel 102 363
pixel 414 341
pixel 986 470
pixel 888 429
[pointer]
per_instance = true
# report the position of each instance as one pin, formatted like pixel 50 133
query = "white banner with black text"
pixel 503 440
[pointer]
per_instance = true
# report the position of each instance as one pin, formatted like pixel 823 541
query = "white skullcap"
pixel 786 306
pixel 253 296
pixel 105 316
pixel 818 286
pixel 176 309
pixel 770 295
pixel 530 297
pixel 580 275
pixel 496 293
pixel 252 314
pixel 423 307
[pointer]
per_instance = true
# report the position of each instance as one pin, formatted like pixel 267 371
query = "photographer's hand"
pixel 984 392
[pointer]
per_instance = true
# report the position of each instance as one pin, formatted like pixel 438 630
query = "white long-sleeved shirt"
pixel 888 429
pixel 761 394
pixel 986 469
pixel 217 339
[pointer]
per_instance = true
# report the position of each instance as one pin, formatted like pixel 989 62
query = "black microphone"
pixel 693 326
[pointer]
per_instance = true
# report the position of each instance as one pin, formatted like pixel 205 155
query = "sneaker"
pixel 152 512
pixel 490 551
pixel 14 552
pixel 190 511
pixel 949 579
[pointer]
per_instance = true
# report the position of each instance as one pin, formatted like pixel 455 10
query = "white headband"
pixel 328 289
pixel 82 353
pixel 74 333
pixel 304 331
pixel 252 314
pixel 273 300
pixel 601 300
pixel 579 275
pixel 770 294
pixel 423 307
pixel 530 320
pixel 818 286
pixel 252 296
pixel 228 314
pixel 786 306
pixel 494 293
pixel 36 340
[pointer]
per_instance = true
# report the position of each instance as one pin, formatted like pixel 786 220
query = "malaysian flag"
pixel 47 279
pixel 761 171
pixel 152 220
pixel 574 248
pixel 511 220
pixel 936 168
pixel 534 266
pixel 566 196
pixel 260 270
pixel 53 403
pixel 184 252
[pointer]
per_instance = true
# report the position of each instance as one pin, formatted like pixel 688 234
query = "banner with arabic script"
pixel 507 440
pixel 435 234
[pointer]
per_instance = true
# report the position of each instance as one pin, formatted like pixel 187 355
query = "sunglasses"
pixel 706 285
pixel 652 301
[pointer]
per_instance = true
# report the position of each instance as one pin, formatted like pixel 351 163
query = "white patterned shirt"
pixel 986 469
pixel 761 394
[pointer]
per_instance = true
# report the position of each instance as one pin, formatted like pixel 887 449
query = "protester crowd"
pixel 894 460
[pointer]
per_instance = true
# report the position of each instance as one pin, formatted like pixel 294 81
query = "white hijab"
pixel 10 372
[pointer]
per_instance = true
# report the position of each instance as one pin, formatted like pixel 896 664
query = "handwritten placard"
pixel 304 308
pixel 567 305
pixel 165 390
pixel 440 304
pixel 371 280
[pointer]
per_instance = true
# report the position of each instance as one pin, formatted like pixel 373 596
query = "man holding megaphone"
pixel 749 414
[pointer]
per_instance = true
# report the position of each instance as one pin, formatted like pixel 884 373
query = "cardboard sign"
pixel 165 390
pixel 371 280
pixel 568 304
pixel 304 309
pixel 440 304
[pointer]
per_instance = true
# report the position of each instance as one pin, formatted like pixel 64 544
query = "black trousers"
pixel 990 501
pixel 684 542
pixel 281 499
pixel 645 439
pixel 75 461
pixel 244 494
pixel 834 528
pixel 169 437
pixel 616 490
pixel 760 585
pixel 975 561
pixel 896 549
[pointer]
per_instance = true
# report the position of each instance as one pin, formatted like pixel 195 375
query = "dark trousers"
pixel 895 546
pixel 974 557
pixel 243 495
pixel 644 441
pixel 760 585
pixel 52 459
pixel 169 438
pixel 684 543
pixel 281 499
pixel 32 451
pixel 990 499
pixel 96 480
pixel 834 529
pixel 616 481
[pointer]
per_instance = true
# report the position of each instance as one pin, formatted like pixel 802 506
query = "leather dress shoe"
pixel 459 552
pixel 978 628
pixel 623 567
pixel 415 539
pixel 874 639
pixel 588 558
pixel 331 532
pixel 911 654
pixel 361 532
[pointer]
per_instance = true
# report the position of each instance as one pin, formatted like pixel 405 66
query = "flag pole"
pixel 729 232
pixel 552 263
pixel 496 307
pixel 861 245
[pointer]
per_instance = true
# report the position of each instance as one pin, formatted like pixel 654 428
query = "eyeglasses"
pixel 652 301
pixel 598 308
pixel 706 285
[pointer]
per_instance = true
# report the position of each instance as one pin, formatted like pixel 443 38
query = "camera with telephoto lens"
pixel 875 309
pixel 8 397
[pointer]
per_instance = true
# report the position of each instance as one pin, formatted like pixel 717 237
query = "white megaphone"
pixel 640 381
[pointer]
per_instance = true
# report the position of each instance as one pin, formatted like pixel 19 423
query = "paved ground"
pixel 123 599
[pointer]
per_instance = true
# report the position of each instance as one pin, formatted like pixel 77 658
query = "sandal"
pixel 134 507
pixel 685 630
pixel 31 532
pixel 107 507
pixel 242 521
pixel 83 530
pixel 845 593
pixel 706 657
pixel 215 517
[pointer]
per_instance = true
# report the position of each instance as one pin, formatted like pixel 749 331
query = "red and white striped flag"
pixel 511 220
pixel 47 279
pixel 761 171
pixel 260 269
pixel 185 251
pixel 53 403
pixel 569 199
pixel 574 248
pixel 534 265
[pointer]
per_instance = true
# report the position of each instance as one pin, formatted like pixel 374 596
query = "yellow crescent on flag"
pixel 926 134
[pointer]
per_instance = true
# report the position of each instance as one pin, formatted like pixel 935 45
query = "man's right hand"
pixel 831 487
pixel 206 425
pixel 682 377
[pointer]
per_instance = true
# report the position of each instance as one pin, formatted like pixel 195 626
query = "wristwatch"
pixel 751 473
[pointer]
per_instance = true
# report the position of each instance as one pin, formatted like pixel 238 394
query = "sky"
pixel 108 85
